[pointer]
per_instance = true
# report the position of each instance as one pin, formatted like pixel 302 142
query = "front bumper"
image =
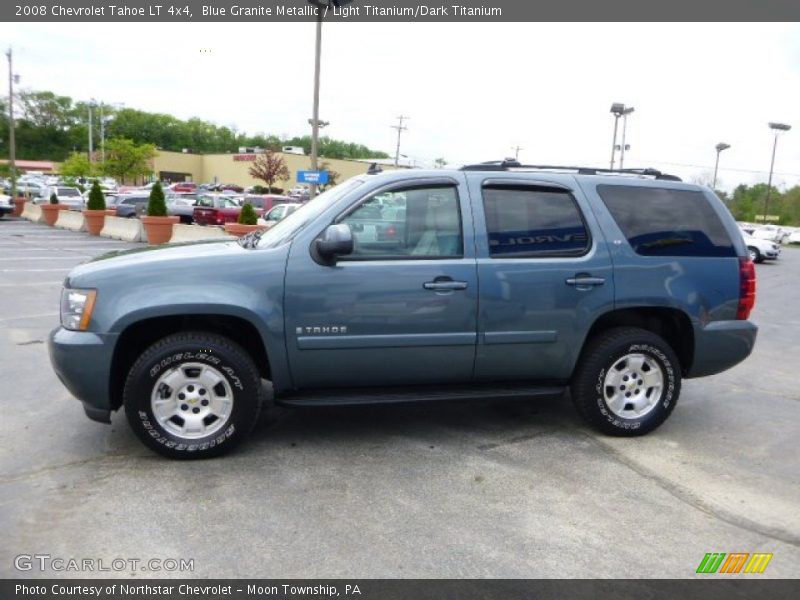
pixel 82 361
pixel 721 345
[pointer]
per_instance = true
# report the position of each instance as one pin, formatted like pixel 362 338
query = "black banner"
pixel 398 10
pixel 718 588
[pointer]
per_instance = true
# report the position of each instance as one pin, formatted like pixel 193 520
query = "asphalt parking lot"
pixel 517 490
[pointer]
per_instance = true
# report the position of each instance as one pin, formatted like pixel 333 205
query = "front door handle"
pixel 585 282
pixel 444 284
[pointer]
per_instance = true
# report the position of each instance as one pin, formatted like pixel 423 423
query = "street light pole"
pixel 12 143
pixel 625 114
pixel 102 136
pixel 400 130
pixel 614 140
pixel 720 147
pixel 777 128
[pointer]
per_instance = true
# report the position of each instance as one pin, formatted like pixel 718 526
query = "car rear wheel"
pixel 627 381
pixel 193 395
pixel 755 254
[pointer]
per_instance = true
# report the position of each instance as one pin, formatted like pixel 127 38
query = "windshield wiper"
pixel 251 239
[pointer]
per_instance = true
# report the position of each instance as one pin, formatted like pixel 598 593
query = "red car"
pixel 217 210
pixel 184 187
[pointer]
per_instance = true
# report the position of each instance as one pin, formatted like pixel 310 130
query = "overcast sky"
pixel 472 90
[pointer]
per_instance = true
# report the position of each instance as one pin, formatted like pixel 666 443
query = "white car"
pixel 760 249
pixel 794 237
pixel 772 233
pixel 69 196
pixel 276 213
pixel 6 205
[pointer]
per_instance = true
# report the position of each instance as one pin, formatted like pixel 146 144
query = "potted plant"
pixel 50 210
pixel 95 212
pixel 248 222
pixel 157 224
pixel 19 204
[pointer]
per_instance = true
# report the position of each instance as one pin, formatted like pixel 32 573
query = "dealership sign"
pixel 244 157
pixel 315 177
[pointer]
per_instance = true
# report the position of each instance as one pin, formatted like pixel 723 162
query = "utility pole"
pixel 516 150
pixel 315 110
pixel 628 110
pixel 400 129
pixel 12 144
pixel 102 136
pixel 91 148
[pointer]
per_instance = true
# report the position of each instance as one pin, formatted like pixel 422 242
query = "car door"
pixel 545 275
pixel 402 308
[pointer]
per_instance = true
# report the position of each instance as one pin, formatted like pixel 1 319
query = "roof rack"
pixel 509 163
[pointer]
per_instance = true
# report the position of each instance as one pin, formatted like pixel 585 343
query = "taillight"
pixel 747 288
pixel 391 231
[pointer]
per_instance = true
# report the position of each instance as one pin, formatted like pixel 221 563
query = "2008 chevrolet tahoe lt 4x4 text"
pixel 496 280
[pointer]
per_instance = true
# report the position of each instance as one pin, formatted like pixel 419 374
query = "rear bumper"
pixel 721 345
pixel 82 361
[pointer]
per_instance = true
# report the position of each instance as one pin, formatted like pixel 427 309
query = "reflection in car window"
pixel 429 226
pixel 523 221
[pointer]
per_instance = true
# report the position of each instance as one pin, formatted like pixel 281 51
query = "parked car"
pixel 182 205
pixel 6 205
pixel 129 205
pixel 265 201
pixel 183 186
pixel 230 187
pixel 794 237
pixel 760 249
pixel 68 196
pixel 277 213
pixel 502 284
pixel 771 232
pixel 214 209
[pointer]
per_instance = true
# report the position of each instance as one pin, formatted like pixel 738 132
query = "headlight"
pixel 76 308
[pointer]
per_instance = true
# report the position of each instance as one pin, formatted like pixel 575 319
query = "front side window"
pixel 533 222
pixel 408 223
pixel 667 222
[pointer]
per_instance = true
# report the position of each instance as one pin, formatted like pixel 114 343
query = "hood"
pixel 154 259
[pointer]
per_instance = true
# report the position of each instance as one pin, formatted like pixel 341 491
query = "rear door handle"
pixel 585 282
pixel 444 284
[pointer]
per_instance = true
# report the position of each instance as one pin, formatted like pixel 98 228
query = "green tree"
pixel 127 160
pixel 97 201
pixel 248 215
pixel 77 165
pixel 157 205
pixel 333 176
pixel 440 163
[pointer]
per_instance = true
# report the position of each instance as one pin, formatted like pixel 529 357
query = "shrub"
pixel 157 205
pixel 248 215
pixel 97 201
pixel 53 198
pixel 260 189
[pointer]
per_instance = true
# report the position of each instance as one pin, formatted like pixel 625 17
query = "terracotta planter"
pixel 239 230
pixel 159 229
pixel 19 206
pixel 50 212
pixel 95 219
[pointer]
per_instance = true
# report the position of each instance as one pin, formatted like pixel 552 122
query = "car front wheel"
pixel 754 254
pixel 627 382
pixel 193 395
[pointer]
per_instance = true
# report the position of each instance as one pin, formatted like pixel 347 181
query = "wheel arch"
pixel 671 324
pixel 139 335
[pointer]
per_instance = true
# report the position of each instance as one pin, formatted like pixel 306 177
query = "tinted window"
pixel 535 222
pixel 664 222
pixel 429 226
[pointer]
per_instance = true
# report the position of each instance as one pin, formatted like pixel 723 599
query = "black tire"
pixel 755 254
pixel 185 354
pixel 590 392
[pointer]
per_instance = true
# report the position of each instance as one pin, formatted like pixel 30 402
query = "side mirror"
pixel 337 240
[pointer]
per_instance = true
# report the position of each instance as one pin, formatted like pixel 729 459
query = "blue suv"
pixel 497 280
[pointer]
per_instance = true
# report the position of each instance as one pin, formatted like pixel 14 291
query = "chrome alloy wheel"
pixel 192 400
pixel 633 386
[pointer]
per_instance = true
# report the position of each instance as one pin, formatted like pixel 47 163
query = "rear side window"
pixel 664 222
pixel 524 221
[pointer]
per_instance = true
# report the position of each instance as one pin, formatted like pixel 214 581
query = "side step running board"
pixel 349 397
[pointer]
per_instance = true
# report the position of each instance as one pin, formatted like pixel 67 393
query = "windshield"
pixel 287 228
